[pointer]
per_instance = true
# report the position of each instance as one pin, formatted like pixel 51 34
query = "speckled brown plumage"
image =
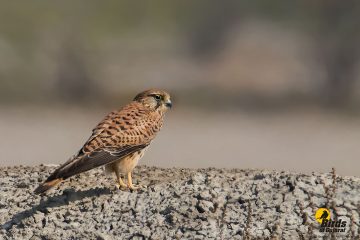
pixel 132 125
pixel 119 140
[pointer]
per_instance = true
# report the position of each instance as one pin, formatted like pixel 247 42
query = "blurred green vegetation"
pixel 104 51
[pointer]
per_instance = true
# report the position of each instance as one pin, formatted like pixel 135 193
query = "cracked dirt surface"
pixel 177 204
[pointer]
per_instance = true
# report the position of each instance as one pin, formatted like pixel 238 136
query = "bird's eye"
pixel 157 97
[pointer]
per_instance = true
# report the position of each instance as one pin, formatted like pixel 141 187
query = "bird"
pixel 118 142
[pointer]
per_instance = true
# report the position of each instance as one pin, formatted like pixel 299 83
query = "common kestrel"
pixel 119 141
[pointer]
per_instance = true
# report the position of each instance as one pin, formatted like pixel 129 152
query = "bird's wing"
pixel 95 159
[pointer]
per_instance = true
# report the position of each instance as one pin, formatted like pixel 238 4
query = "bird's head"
pixel 155 99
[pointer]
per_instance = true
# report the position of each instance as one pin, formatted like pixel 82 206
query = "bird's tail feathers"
pixel 47 185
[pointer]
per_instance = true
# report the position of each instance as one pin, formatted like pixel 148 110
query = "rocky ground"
pixel 177 204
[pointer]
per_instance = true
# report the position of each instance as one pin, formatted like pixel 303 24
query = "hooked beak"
pixel 168 104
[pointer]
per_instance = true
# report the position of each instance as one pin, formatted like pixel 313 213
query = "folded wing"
pixel 86 162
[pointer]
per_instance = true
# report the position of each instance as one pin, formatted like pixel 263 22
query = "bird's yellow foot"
pixel 120 183
pixel 136 187
pixel 131 186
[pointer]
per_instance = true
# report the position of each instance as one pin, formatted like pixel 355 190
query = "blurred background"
pixel 255 84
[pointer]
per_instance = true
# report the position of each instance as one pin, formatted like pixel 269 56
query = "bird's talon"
pixel 119 187
pixel 135 187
